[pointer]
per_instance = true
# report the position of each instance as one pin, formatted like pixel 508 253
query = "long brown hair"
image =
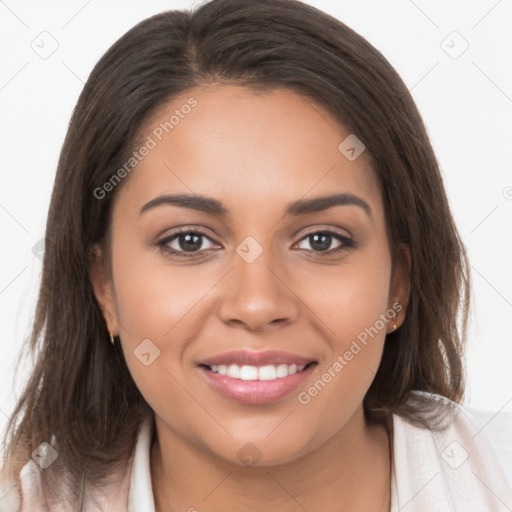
pixel 80 389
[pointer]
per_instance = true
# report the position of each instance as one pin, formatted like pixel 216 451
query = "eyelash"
pixel 347 243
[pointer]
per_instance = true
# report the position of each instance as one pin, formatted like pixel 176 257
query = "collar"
pixel 140 495
pixel 447 470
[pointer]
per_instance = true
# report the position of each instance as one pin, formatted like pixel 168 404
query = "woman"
pixel 250 286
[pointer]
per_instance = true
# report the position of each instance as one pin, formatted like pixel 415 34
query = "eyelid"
pixel 346 241
pixel 331 230
pixel 200 230
pixel 184 230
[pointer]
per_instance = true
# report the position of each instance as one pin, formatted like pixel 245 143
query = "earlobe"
pixel 102 286
pixel 400 288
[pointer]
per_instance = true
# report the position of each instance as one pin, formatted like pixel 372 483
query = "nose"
pixel 257 295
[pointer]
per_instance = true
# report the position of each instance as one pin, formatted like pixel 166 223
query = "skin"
pixel 256 153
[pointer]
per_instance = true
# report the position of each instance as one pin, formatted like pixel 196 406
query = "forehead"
pixel 248 148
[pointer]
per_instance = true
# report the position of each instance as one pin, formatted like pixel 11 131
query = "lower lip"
pixel 256 391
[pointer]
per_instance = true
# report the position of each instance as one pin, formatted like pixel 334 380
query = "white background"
pixel 466 103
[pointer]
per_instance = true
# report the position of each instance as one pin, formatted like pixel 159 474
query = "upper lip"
pixel 241 357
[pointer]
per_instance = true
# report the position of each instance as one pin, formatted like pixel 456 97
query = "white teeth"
pixel 282 370
pixel 268 372
pixel 233 371
pixel 248 372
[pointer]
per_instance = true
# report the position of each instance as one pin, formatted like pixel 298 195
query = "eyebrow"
pixel 299 207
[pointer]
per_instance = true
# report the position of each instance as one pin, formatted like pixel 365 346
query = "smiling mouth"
pixel 266 372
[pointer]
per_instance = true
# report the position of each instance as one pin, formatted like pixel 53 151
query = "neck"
pixel 351 471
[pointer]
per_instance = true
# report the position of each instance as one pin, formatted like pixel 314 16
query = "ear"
pixel 103 287
pixel 400 287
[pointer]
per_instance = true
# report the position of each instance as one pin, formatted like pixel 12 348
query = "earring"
pixel 112 340
pixel 394 327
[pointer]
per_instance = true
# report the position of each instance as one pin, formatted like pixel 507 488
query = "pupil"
pixel 323 245
pixel 192 242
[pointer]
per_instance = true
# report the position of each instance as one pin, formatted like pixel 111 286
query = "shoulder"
pixel 497 427
pixel 456 459
pixel 25 493
pixel 473 428
pixel 10 492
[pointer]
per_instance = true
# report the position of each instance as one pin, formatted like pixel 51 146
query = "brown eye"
pixel 189 241
pixel 183 242
pixel 321 241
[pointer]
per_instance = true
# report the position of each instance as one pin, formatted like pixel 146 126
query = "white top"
pixel 466 467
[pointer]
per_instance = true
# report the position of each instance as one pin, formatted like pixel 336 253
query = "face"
pixel 259 279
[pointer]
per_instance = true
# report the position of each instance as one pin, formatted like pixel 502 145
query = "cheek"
pixel 351 306
pixel 348 299
pixel 153 297
pixel 156 307
pixel 151 308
